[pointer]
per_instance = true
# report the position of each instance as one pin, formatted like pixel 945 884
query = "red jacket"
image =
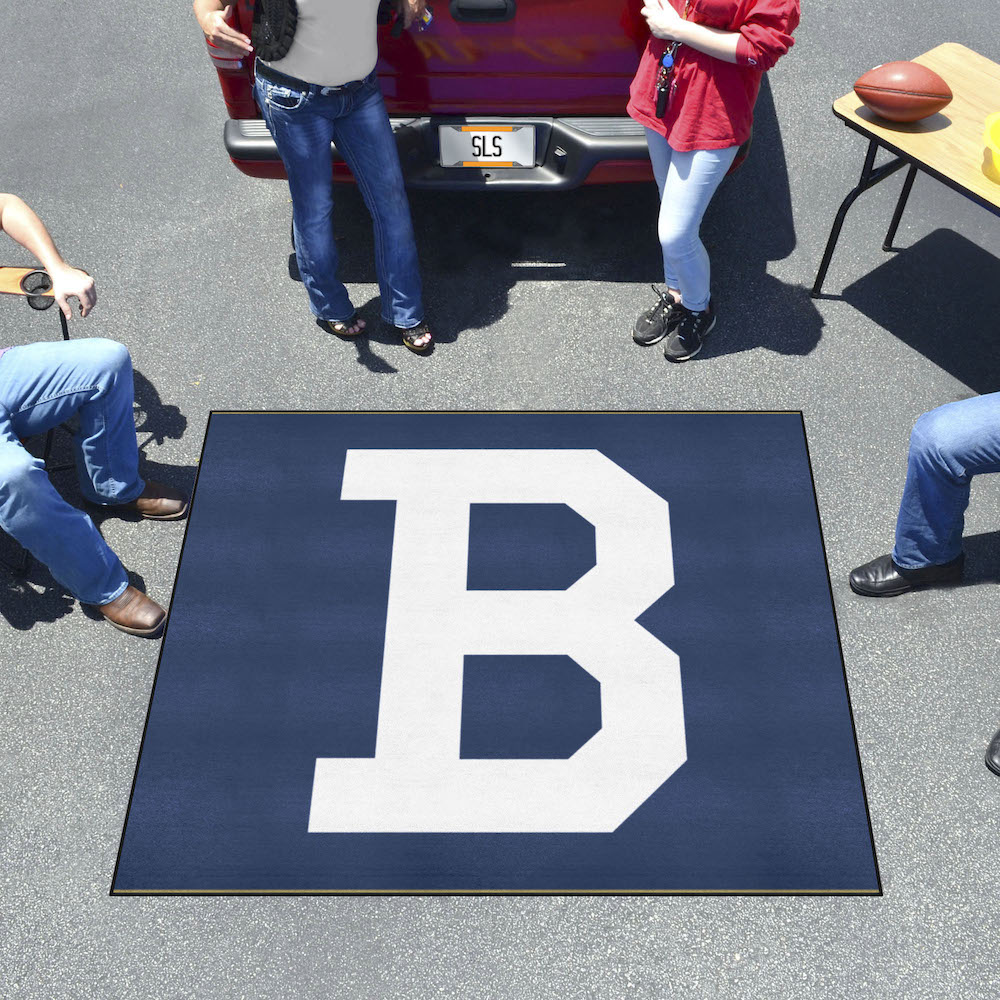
pixel 711 101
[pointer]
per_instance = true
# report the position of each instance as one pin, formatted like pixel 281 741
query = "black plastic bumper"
pixel 566 150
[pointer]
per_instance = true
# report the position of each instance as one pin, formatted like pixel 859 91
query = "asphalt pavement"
pixel 111 129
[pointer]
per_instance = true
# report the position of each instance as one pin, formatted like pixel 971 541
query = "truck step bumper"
pixel 567 150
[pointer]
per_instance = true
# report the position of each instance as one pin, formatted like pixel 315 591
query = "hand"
pixel 664 22
pixel 410 10
pixel 224 37
pixel 70 282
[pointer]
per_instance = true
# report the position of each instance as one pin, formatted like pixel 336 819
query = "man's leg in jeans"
pixel 42 385
pixel 56 534
pixel 948 446
pixel 365 140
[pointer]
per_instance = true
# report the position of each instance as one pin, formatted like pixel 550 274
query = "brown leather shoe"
pixel 158 502
pixel 135 613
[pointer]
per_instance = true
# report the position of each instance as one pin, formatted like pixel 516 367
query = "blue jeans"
pixel 948 447
pixel 41 386
pixel 687 182
pixel 304 121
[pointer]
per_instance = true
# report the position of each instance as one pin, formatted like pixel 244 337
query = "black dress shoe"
pixel 993 753
pixel 883 578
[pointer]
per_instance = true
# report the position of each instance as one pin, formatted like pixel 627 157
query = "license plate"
pixel 487 145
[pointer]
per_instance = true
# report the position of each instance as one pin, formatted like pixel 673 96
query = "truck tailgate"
pixel 552 57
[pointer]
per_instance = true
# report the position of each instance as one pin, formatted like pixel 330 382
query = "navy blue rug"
pixel 500 652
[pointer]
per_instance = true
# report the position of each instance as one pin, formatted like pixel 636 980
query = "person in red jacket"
pixel 694 92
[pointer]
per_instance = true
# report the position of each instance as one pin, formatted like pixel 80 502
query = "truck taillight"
pixel 221 60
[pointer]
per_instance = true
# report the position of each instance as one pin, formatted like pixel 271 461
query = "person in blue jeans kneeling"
pixel 948 447
pixel 43 385
pixel 315 83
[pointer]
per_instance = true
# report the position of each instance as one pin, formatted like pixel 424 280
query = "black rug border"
pixel 506 892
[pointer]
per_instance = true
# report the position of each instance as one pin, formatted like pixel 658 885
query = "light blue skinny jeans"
pixel 303 122
pixel 948 447
pixel 41 386
pixel 687 182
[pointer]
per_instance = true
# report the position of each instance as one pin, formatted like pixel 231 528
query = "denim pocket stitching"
pixel 284 92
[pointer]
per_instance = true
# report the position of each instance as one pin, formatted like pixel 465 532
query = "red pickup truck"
pixel 518 94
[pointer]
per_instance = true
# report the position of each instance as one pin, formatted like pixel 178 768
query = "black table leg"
pixel 50 436
pixel 900 205
pixel 870 176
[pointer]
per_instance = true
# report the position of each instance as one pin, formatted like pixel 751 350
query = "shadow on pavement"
pixel 748 224
pixel 941 296
pixel 375 329
pixel 25 601
pixel 23 605
pixel 153 417
pixel 375 332
pixel 982 557
pixel 474 247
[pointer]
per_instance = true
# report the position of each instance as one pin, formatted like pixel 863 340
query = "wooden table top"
pixel 10 280
pixel 949 143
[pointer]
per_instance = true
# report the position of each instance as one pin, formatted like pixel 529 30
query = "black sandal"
pixel 411 334
pixel 342 327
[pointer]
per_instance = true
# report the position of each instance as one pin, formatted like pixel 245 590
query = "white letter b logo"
pixel 416 781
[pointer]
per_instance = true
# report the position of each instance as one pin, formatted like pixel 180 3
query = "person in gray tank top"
pixel 316 85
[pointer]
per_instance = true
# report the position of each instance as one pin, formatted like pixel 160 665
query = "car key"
pixel 663 79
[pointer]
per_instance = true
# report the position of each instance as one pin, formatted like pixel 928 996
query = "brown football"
pixel 903 91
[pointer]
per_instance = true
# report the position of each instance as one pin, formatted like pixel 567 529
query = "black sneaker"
pixel 688 337
pixel 654 324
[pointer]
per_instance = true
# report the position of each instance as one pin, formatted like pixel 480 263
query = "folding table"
pixel 948 145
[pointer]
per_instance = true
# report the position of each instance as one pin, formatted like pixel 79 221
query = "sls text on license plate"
pixel 487 145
